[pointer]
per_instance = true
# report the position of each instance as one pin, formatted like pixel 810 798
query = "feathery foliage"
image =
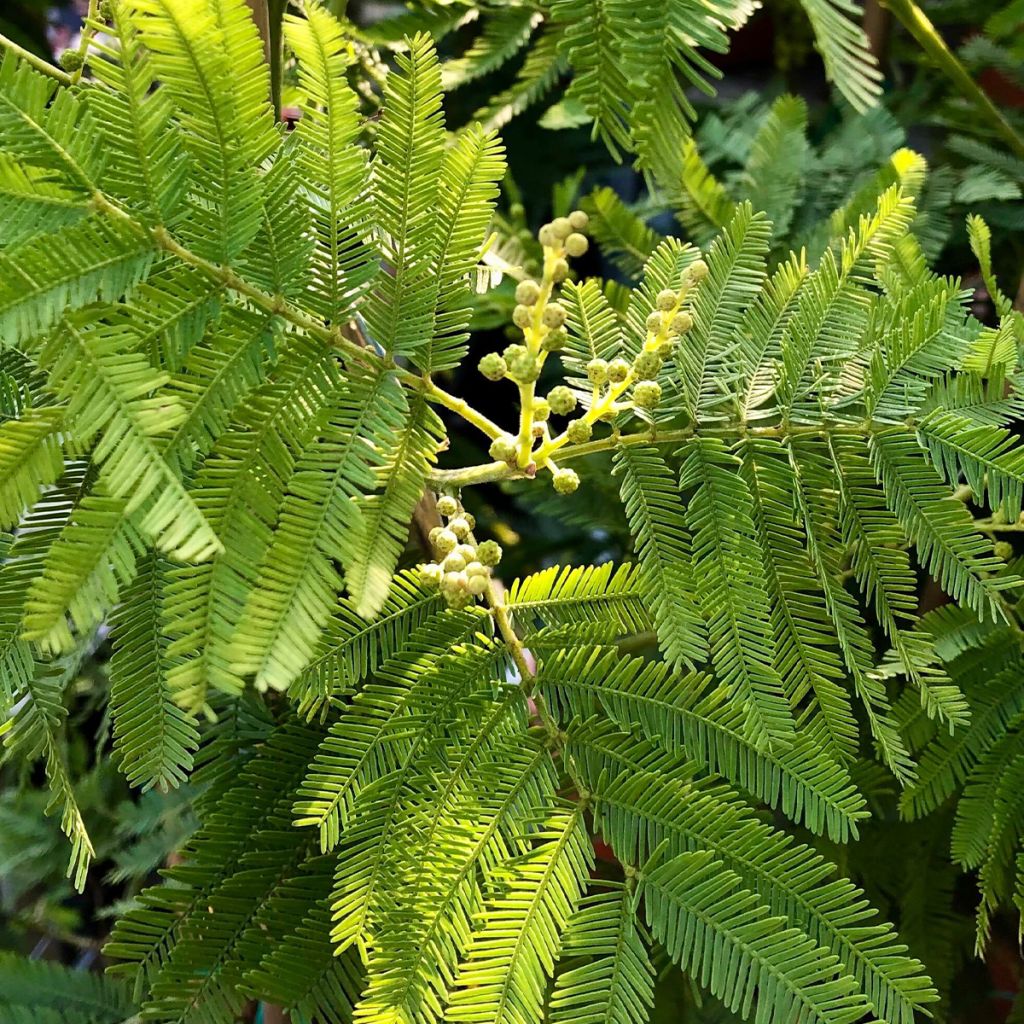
pixel 420 796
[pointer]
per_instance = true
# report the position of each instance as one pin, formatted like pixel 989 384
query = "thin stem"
pixel 458 405
pixel 917 23
pixel 88 28
pixel 37 62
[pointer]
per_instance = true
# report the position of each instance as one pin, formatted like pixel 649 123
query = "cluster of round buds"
pixel 462 569
pixel 566 233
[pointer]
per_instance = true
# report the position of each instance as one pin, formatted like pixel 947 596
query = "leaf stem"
pixel 88 29
pixel 37 62
pixel 918 24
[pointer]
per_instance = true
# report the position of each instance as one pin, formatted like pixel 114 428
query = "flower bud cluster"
pixel 462 569
pixel 617 384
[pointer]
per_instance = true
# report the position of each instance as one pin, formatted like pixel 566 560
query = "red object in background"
pixel 1004 968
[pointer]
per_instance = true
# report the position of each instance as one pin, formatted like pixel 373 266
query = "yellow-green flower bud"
pixel 431 573
pixel 502 449
pixel 454 584
pixel 597 371
pixel 565 480
pixel 470 518
pixel 553 315
pixel 477 585
pixel 666 300
pixel 618 370
pixel 492 366
pixel 561 400
pixel 525 368
pixel 697 271
pixel 447 505
pixel 562 227
pixel 665 349
pixel 576 244
pixel 514 352
pixel 554 341
pixel 445 542
pixel 476 568
pixel 1004 550
pixel 541 409
pixel 654 322
pixel 489 552
pixel 559 271
pixel 647 394
pixel 522 317
pixel 71 60
pixel 546 236
pixel 467 551
pixel 579 220
pixel 454 563
pixel 646 365
pixel 527 292
pixel 682 322
pixel 578 431
pixel 460 527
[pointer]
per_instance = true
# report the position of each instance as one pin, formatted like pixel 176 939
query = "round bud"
pixel 1004 550
pixel 460 527
pixel 597 371
pixel 562 227
pixel 565 480
pixel 105 10
pixel 618 370
pixel 434 534
pixel 71 60
pixel 654 322
pixel 454 584
pixel 524 367
pixel 503 449
pixel 431 573
pixel 522 317
pixel 477 585
pixel 554 315
pixel 579 220
pixel 578 431
pixel 445 542
pixel 554 341
pixel 646 365
pixel 561 400
pixel 489 552
pixel 454 563
pixel 667 300
pixel 665 349
pixel 459 601
pixel 647 394
pixel 541 409
pixel 682 322
pixel 447 506
pixel 576 244
pixel 527 292
pixel 467 551
pixel 475 568
pixel 559 271
pixel 514 352
pixel 492 366
pixel 470 518
pixel 697 270
pixel 546 236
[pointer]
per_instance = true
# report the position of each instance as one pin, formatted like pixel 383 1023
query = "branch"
pixel 37 62
pixel 917 23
